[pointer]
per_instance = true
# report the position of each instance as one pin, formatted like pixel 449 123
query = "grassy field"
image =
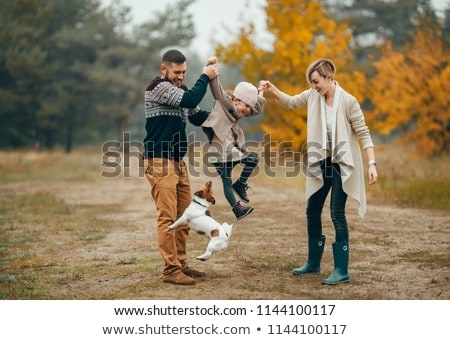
pixel 66 232
pixel 412 181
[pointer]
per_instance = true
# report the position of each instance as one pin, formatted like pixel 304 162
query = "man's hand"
pixel 211 61
pixel 212 71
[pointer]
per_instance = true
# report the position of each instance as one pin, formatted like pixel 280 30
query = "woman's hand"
pixel 266 85
pixel 373 174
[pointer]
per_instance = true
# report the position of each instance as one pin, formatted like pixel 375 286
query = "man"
pixel 168 103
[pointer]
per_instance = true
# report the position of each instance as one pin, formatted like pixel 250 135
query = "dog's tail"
pixel 228 228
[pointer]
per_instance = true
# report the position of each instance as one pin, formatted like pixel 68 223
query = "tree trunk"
pixel 123 121
pixel 69 137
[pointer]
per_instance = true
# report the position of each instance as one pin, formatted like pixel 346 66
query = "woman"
pixel 336 125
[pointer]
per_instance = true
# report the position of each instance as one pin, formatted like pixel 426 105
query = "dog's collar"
pixel 195 201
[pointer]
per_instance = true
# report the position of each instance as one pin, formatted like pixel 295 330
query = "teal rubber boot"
pixel 340 272
pixel 315 252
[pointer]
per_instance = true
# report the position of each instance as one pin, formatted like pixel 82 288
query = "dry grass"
pixel 68 233
pixel 412 181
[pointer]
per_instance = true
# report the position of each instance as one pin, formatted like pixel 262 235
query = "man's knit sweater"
pixel 166 109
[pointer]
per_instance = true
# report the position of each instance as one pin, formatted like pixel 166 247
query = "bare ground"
pixel 395 252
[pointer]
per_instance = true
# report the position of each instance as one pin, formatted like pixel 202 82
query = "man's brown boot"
pixel 192 272
pixel 179 278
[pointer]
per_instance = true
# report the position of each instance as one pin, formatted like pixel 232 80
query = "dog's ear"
pixel 199 194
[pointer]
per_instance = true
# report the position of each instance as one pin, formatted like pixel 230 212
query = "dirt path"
pixel 396 253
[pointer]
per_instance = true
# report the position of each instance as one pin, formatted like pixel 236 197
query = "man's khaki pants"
pixel 171 191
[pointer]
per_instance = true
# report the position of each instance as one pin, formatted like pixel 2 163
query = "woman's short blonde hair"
pixel 323 66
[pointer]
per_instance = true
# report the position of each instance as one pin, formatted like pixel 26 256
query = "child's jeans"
pixel 225 171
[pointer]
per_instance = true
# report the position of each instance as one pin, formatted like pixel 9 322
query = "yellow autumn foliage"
pixel 410 93
pixel 302 32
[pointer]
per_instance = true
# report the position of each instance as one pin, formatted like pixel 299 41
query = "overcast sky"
pixel 212 18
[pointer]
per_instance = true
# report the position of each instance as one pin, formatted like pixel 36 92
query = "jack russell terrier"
pixel 198 218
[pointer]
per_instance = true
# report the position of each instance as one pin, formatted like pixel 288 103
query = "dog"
pixel 198 218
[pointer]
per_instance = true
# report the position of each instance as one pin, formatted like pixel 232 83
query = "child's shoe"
pixel 240 211
pixel 241 189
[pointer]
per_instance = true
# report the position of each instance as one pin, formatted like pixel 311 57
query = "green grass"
pixel 409 180
pixel 418 193
pixel 31 166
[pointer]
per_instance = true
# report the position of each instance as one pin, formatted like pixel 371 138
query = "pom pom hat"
pixel 246 92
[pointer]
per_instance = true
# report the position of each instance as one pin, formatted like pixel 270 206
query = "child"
pixel 227 140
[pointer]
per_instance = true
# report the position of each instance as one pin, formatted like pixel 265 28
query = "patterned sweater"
pixel 167 107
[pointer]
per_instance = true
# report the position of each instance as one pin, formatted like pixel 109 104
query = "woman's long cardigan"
pixel 349 126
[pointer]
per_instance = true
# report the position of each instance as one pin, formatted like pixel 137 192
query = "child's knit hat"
pixel 246 92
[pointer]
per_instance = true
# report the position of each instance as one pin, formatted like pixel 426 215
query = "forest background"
pixel 73 74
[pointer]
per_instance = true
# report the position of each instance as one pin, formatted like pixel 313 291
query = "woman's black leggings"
pixel 331 173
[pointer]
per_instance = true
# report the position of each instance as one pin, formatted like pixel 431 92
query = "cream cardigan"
pixel 348 129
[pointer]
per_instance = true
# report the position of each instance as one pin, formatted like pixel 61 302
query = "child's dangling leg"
pixel 225 172
pixel 240 186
